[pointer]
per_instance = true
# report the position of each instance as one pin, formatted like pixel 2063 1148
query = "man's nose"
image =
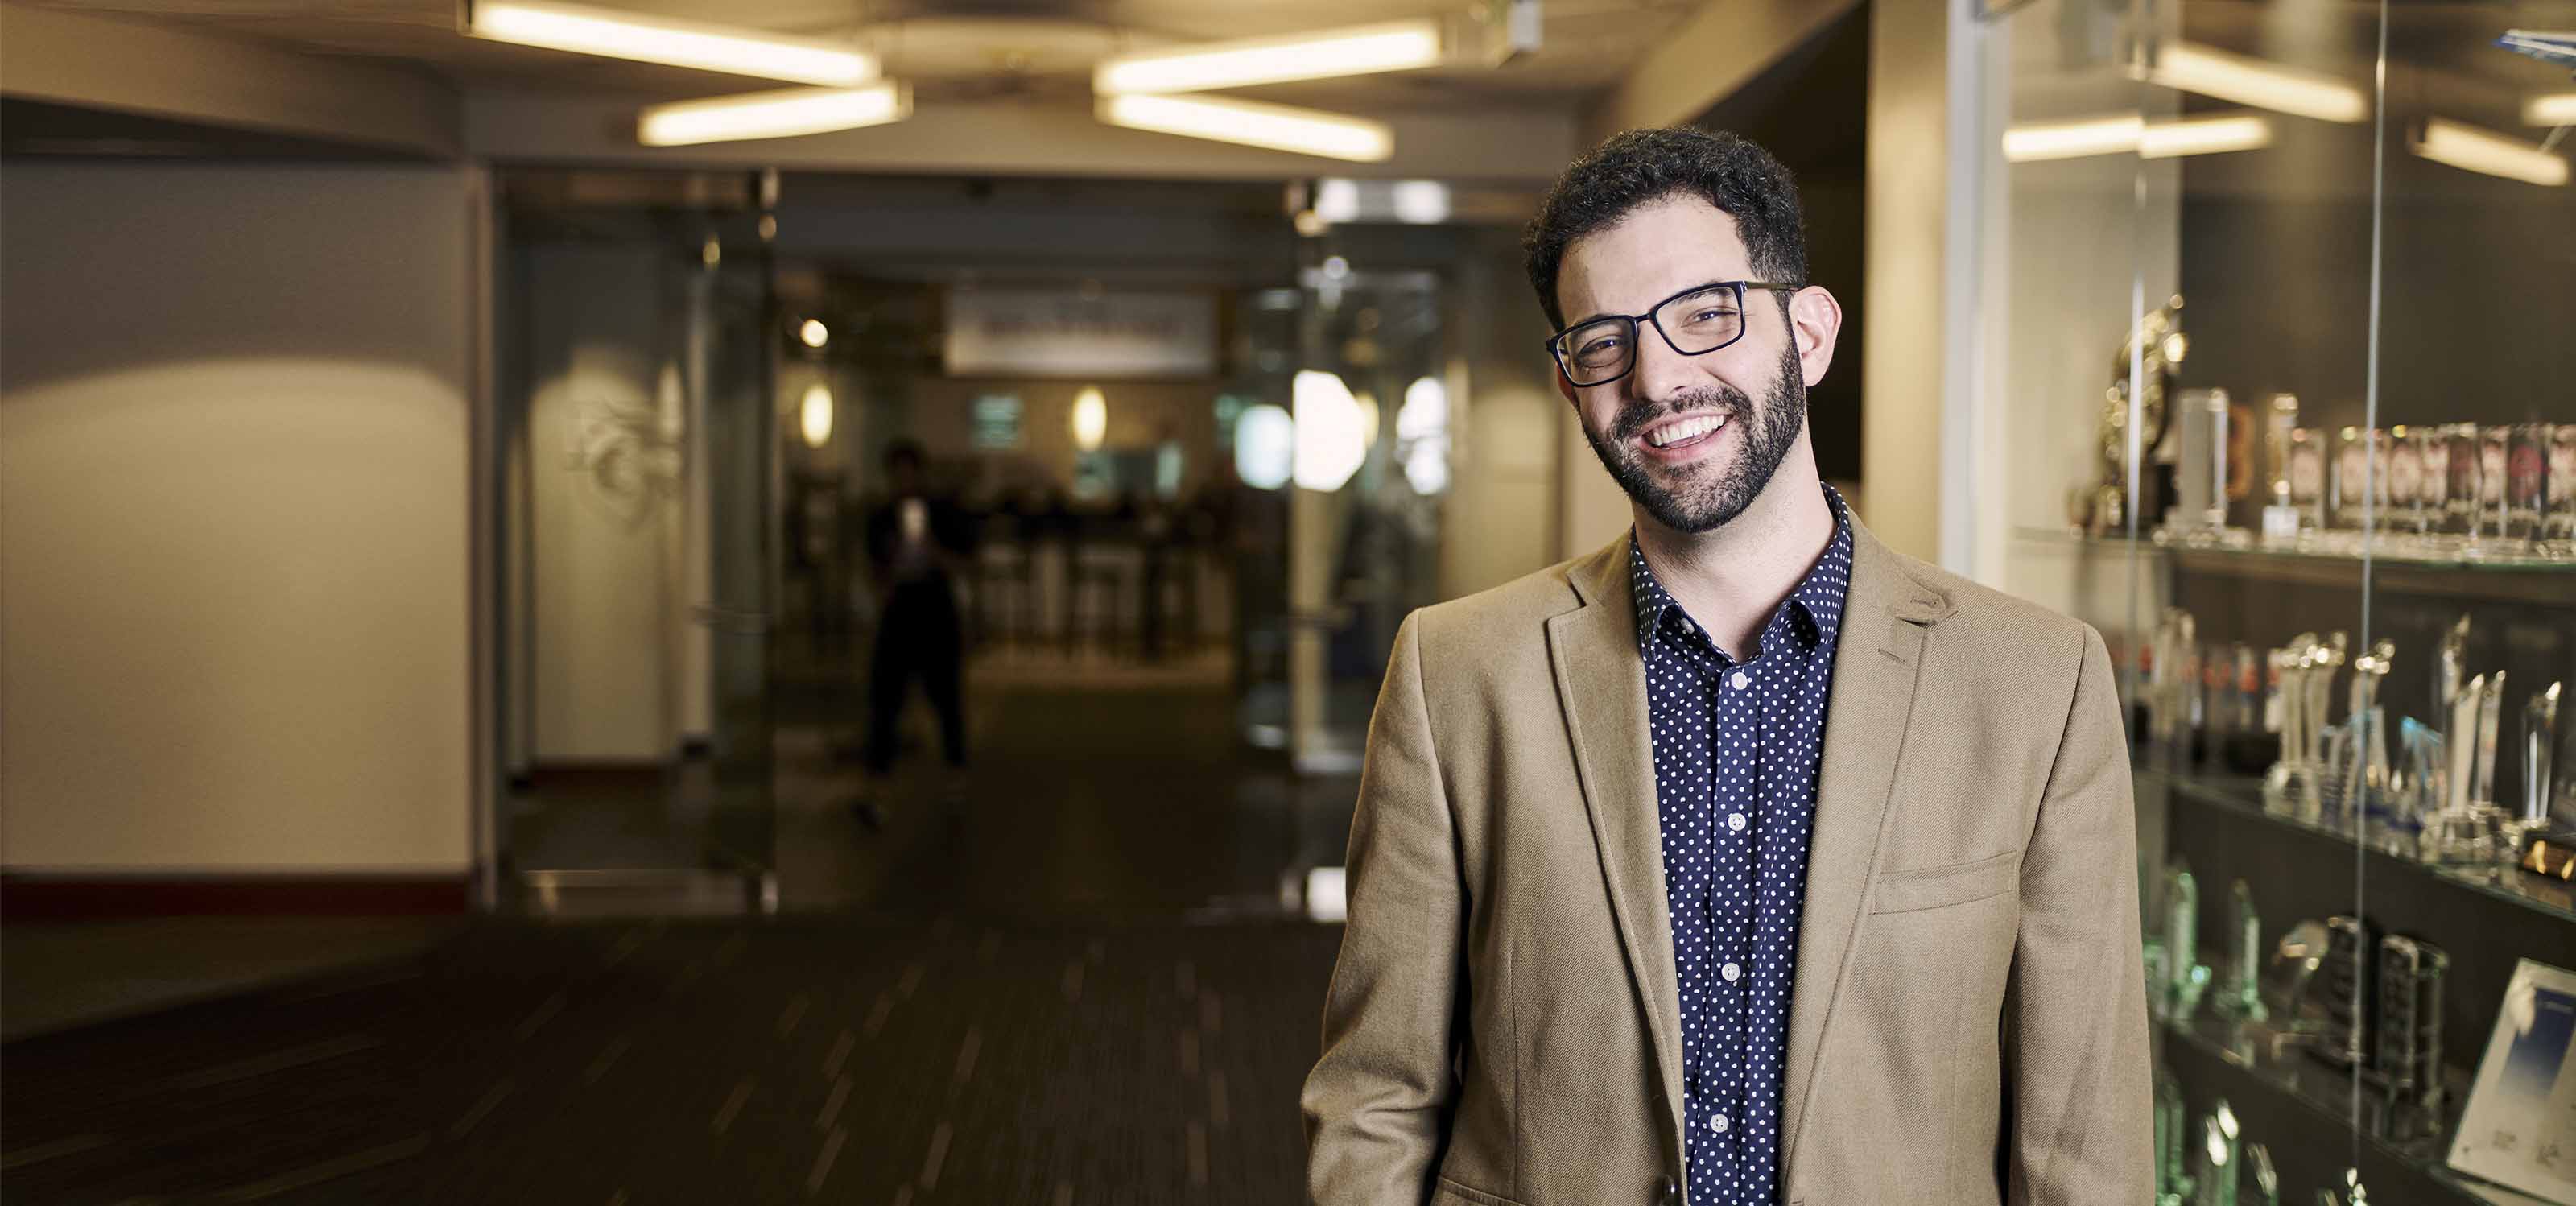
pixel 1661 372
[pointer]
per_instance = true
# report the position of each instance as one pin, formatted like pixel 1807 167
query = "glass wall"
pixel 2274 363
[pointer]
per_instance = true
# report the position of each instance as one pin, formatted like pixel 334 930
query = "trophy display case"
pixel 2276 347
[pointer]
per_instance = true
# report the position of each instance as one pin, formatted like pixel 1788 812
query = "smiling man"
pixel 1745 861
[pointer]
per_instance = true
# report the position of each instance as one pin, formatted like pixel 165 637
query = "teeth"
pixel 1688 429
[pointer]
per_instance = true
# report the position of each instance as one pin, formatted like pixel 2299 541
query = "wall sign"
pixel 1062 333
pixel 997 422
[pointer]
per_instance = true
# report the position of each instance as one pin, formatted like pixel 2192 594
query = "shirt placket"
pixel 1737 729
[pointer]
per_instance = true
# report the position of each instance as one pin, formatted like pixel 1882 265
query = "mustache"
pixel 1634 419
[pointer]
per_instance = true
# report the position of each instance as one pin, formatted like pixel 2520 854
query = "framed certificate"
pixel 2520 1126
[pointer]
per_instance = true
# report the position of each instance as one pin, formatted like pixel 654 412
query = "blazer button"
pixel 1666 1193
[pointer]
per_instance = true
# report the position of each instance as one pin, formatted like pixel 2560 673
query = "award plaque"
pixel 2519 1128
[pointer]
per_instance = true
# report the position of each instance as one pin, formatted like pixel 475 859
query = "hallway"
pixel 1062 985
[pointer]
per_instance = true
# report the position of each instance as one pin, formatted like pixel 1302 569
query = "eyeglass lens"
pixel 1693 323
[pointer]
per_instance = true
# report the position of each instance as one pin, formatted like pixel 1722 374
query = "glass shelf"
pixel 2325 1093
pixel 2551 898
pixel 2399 566
pixel 2334 548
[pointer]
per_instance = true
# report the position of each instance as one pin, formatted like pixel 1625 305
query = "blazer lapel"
pixel 1877 661
pixel 1601 681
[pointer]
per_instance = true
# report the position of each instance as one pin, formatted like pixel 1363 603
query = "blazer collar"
pixel 1601 684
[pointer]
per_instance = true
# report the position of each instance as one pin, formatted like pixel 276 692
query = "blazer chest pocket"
pixel 1920 888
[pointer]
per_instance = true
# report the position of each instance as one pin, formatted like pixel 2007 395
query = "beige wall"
pixel 233 518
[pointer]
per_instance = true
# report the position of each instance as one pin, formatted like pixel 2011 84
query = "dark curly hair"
pixel 1640 167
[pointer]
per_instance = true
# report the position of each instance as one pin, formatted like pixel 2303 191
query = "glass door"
pixel 636 342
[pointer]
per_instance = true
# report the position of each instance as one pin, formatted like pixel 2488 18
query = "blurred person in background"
pixel 914 538
pixel 1745 861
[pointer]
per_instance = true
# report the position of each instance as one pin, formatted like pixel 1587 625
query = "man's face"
pixel 1754 389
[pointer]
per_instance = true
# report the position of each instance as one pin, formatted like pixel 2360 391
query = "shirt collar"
pixel 1814 609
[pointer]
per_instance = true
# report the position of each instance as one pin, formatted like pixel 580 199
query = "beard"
pixel 1708 494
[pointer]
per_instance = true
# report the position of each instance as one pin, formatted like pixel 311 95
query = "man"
pixel 910 538
pixel 1744 861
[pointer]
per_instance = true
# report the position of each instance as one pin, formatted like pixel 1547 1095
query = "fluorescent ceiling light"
pixel 782 114
pixel 1340 200
pixel 2476 150
pixel 2189 68
pixel 1364 50
pixel 2204 135
pixel 2127 133
pixel 2553 109
pixel 623 35
pixel 2073 139
pixel 1278 127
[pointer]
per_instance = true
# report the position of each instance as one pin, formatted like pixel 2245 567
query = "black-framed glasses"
pixel 1693 322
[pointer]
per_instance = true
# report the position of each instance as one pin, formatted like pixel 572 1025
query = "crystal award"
pixel 2240 998
pixel 2186 976
pixel 2218 1155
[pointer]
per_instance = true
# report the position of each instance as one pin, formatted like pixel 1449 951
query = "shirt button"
pixel 1731 972
pixel 1717 1124
pixel 1739 681
pixel 1735 821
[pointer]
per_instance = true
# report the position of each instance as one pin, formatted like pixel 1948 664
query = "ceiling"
pixel 953 49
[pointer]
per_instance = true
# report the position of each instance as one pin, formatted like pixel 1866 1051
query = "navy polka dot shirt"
pixel 1737 746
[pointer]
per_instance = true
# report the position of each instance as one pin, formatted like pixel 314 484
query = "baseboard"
pixel 73 897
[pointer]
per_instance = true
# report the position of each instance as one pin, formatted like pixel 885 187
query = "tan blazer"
pixel 1968 1020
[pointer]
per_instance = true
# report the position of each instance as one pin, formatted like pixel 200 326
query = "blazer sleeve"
pixel 2076 1019
pixel 1377 1103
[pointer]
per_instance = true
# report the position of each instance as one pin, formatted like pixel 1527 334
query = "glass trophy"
pixel 2526 482
pixel 2173 1183
pixel 2280 514
pixel 2308 478
pixel 2559 524
pixel 2470 831
pixel 2488 528
pixel 2432 486
pixel 2199 510
pixel 2416 792
pixel 2405 477
pixel 2186 977
pixel 2365 761
pixel 2218 1157
pixel 2532 829
pixel 2408 1062
pixel 2293 787
pixel 2240 998
pixel 2267 1180
pixel 2346 988
pixel 2460 461
pixel 2350 511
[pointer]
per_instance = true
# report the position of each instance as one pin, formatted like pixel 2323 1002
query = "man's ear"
pixel 1564 384
pixel 1815 322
